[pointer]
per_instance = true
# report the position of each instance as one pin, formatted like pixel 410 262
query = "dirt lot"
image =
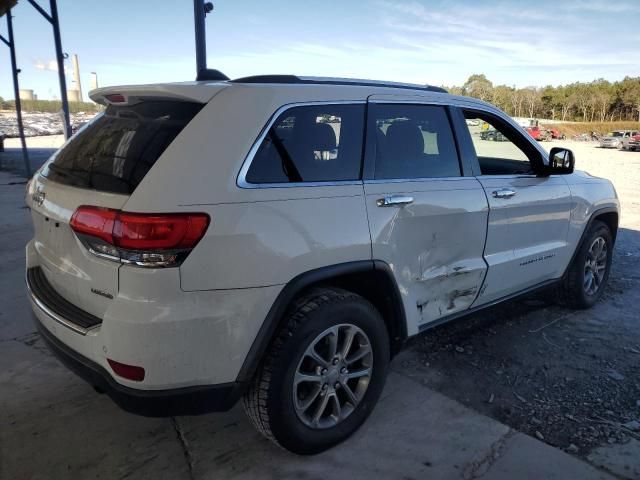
pixel 569 378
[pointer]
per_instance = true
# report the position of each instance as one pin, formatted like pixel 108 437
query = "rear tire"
pixel 589 272
pixel 306 365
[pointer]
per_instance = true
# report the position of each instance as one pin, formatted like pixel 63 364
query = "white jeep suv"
pixel 278 238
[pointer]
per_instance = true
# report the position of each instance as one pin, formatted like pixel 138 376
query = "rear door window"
pixel 115 151
pixel 412 141
pixel 314 143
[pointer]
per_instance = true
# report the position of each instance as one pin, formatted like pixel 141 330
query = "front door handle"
pixel 394 201
pixel 504 193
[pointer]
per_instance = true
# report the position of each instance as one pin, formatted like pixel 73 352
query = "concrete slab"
pixel 53 426
pixel 15 231
pixel 622 460
pixel 413 433
pixel 526 457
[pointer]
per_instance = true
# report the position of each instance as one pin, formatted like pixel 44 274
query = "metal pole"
pixel 16 91
pixel 201 46
pixel 60 57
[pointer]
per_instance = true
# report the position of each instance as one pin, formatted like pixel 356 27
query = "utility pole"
pixel 200 10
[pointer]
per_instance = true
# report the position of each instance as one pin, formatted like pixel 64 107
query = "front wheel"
pixel 323 374
pixel 589 271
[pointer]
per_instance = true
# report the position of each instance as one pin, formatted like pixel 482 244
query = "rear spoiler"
pixel 131 94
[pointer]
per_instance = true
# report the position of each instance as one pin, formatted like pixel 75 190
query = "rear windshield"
pixel 115 151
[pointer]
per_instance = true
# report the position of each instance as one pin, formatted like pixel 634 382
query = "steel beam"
pixel 60 57
pixel 16 91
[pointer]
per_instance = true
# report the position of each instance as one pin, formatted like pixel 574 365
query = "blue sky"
pixel 518 43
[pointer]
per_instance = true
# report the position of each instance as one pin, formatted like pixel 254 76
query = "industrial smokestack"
pixel 76 76
pixel 26 94
pixel 94 80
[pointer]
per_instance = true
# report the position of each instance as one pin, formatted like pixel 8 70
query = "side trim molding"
pixel 464 313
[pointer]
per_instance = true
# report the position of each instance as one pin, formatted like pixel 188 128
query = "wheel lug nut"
pixel 343 370
pixel 335 361
pixel 324 371
pixel 337 385
pixel 325 386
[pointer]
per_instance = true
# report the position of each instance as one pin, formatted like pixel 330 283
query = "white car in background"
pixel 618 139
pixel 278 238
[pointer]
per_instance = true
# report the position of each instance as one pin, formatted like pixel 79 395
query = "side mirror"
pixel 561 162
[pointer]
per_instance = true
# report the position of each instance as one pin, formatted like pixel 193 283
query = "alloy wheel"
pixel 595 266
pixel 333 376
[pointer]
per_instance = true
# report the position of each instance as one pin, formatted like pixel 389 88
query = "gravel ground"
pixel 569 378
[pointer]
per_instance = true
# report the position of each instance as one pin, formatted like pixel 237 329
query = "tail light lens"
pixel 148 240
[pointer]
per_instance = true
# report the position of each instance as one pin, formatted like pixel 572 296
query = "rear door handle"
pixel 504 193
pixel 394 201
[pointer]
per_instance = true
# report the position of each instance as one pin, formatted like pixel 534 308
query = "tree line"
pixel 600 100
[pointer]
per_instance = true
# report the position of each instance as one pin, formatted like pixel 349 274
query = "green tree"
pixel 478 86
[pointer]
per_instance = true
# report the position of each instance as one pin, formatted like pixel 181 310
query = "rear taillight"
pixel 144 239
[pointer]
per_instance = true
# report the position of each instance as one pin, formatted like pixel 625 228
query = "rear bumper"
pixel 153 403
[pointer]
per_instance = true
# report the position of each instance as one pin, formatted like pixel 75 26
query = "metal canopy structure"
pixel 200 10
pixel 6 7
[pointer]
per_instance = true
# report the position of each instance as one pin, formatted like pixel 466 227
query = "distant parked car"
pixel 493 135
pixel 634 143
pixel 618 139
pixel 540 134
pixel 555 134
pixel 473 123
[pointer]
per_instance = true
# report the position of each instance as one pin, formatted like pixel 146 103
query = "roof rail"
pixel 293 79
pixel 210 74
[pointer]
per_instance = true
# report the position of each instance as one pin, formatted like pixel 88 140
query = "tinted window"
pixel 115 151
pixel 500 149
pixel 311 144
pixel 412 141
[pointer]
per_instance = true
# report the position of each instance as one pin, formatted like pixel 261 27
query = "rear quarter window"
pixel 315 143
pixel 114 152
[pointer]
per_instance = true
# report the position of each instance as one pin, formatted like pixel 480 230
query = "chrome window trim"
pixel 241 180
pixel 418 179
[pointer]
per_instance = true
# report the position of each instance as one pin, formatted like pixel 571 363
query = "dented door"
pixel 427 220
pixel 433 245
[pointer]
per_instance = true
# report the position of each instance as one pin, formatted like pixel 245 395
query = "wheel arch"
pixel 610 216
pixel 371 279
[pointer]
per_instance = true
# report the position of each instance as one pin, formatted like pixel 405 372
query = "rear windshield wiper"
pixel 289 168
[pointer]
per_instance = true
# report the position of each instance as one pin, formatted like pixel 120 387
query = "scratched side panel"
pixel 434 245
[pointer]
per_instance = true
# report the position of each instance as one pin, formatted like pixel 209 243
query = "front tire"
pixel 323 374
pixel 589 272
